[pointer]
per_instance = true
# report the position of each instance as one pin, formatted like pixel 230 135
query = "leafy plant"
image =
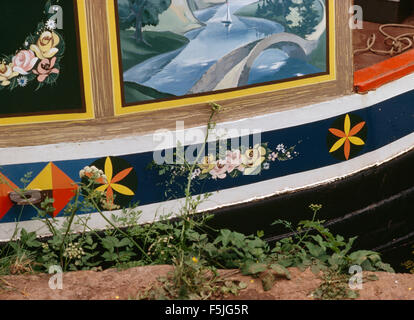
pixel 192 279
pixel 334 287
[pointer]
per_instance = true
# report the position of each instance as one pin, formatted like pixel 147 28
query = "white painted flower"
pixel 51 24
pixel 281 148
pixel 22 81
pixel 266 166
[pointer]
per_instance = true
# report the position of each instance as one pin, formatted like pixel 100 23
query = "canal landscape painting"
pixel 170 49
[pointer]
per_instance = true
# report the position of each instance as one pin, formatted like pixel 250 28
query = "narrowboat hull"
pixel 359 186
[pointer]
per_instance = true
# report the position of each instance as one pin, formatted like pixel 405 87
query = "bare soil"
pixel 119 285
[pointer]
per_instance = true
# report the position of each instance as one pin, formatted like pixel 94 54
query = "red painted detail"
pixel 64 189
pixel 394 68
pixel 61 199
pixel 5 188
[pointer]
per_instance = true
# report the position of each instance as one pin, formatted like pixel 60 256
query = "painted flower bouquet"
pixel 37 60
pixel 245 161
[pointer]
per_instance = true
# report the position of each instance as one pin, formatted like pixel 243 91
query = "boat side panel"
pixel 388 126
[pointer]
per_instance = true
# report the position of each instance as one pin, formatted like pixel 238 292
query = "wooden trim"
pixel 394 68
pixel 100 56
pixel 106 126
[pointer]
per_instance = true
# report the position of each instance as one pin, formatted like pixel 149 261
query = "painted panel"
pixel 181 52
pixel 44 69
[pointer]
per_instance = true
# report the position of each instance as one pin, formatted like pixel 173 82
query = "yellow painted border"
pixel 87 81
pixel 236 93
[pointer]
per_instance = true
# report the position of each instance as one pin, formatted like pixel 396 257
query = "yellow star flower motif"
pixel 112 183
pixel 347 136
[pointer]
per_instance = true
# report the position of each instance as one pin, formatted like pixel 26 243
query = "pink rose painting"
pixel 24 61
pixel 234 160
pixel 45 68
pixel 220 170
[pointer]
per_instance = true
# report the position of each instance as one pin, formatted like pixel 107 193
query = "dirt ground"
pixel 121 285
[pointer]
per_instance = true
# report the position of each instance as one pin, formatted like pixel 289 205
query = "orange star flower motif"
pixel 347 136
pixel 112 183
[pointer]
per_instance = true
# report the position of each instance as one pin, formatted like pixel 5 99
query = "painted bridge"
pixel 233 69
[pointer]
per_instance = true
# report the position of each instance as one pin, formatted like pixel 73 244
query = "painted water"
pixel 178 71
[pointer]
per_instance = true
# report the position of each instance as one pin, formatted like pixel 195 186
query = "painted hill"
pixel 179 19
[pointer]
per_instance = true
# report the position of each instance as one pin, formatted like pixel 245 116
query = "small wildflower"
pixel 195 260
pixel 93 173
pixel 74 251
pixel 108 204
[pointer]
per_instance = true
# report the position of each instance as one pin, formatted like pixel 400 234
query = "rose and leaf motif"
pixel 244 161
pixel 233 163
pixel 37 60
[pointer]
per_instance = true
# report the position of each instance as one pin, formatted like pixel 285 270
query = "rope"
pixel 397 44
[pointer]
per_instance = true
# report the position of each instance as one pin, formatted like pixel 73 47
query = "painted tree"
pixel 298 16
pixel 140 13
pixel 304 15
